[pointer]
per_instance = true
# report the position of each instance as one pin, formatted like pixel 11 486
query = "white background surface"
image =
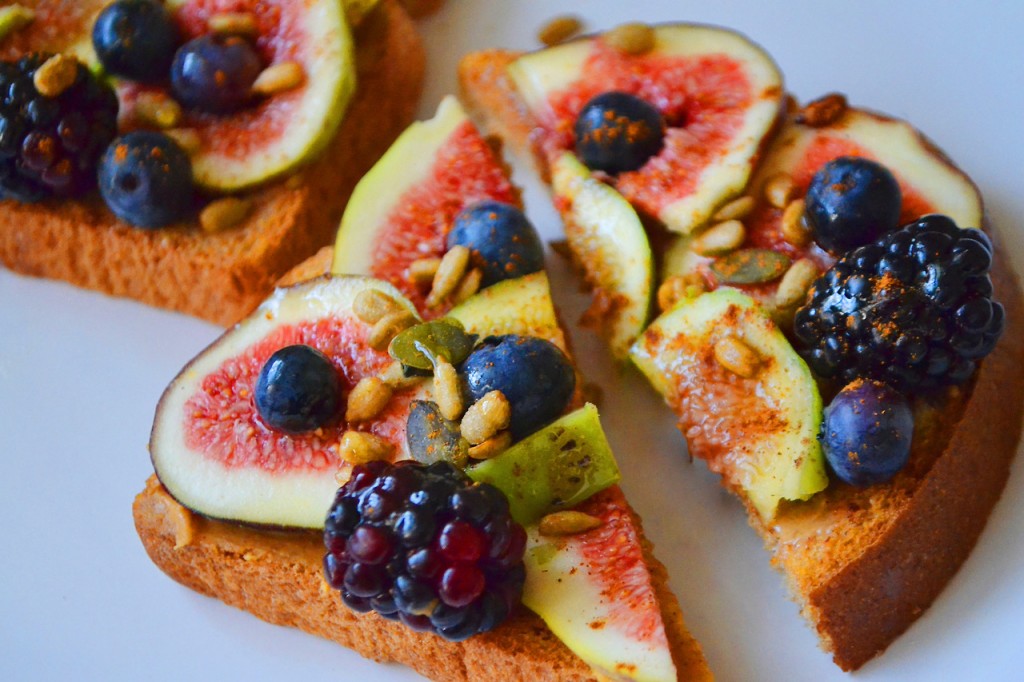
pixel 80 374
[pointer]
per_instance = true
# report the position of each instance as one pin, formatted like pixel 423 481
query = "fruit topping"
pixel 556 468
pixel 397 222
pixel 216 454
pixel 421 345
pixel 248 132
pixel 718 94
pixel 146 179
pixel 432 438
pixel 298 390
pixel 594 591
pixel 534 375
pixel 746 401
pixel 49 145
pixel 136 39
pixel 867 432
pixel 13 18
pixel 515 306
pixel 501 240
pixel 215 73
pixel 617 132
pixel 852 201
pixel 425 545
pixel 914 309
pixel 609 243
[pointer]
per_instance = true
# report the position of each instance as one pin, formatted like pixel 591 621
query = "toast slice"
pixel 863 565
pixel 220 277
pixel 278 576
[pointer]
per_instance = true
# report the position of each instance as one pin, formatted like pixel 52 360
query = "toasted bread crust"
pixel 278 577
pixel 861 600
pixel 873 599
pixel 221 277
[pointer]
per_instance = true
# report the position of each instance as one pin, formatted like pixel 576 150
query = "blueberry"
pixel 215 73
pixel 503 242
pixel 851 202
pixel 866 433
pixel 298 390
pixel 617 132
pixel 535 376
pixel 146 179
pixel 136 39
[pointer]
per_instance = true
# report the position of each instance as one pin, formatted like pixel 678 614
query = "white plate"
pixel 80 374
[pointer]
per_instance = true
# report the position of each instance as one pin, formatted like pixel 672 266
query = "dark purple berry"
pixel 51 145
pixel 618 132
pixel 502 241
pixel 145 178
pixel 910 310
pixel 534 374
pixel 852 201
pixel 298 390
pixel 396 544
pixel 866 433
pixel 215 73
pixel 136 39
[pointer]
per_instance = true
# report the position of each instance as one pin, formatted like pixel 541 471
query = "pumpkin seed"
pixel 750 266
pixel 432 438
pixel 421 345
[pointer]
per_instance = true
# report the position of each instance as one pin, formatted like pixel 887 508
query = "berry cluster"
pixel 912 309
pixel 50 145
pixel 425 545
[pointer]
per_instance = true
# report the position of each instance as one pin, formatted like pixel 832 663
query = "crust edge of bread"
pixel 277 576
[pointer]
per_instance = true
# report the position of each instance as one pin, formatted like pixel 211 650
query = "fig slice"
pixel 265 141
pixel 928 180
pixel 594 591
pixel 403 209
pixel 758 431
pixel 212 451
pixel 719 93
pixel 608 241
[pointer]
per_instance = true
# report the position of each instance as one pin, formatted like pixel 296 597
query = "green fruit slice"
pixel 265 141
pixel 759 433
pixel 608 240
pixel 514 306
pixel 595 593
pixel 212 451
pixel 720 94
pixel 403 209
pixel 557 467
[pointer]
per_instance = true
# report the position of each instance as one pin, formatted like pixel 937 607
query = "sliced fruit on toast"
pixel 719 95
pixel 221 276
pixel 199 538
pixel 928 181
pixel 263 142
pixel 841 548
pixel 403 209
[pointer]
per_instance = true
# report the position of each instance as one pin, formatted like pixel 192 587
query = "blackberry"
pixel 913 309
pixel 50 145
pixel 425 545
